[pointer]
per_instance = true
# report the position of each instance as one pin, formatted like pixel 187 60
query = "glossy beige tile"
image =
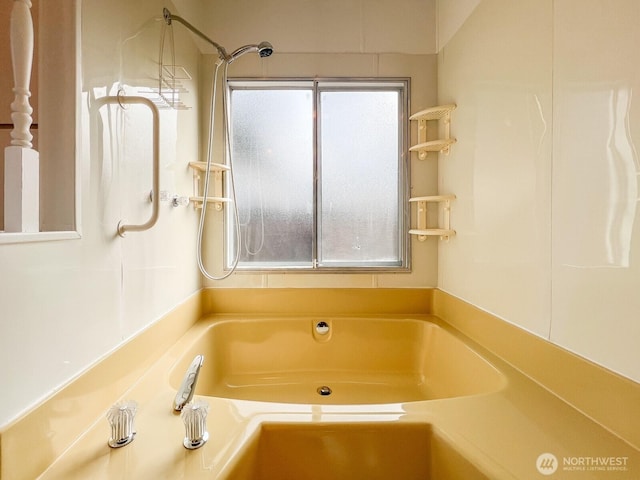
pixel 281 21
pixel 422 71
pixel 546 171
pixel 333 26
pixel 604 396
pixel 450 17
pixel 56 422
pixel 497 69
pixel 406 26
pixel 595 182
pixel 303 65
pixel 66 304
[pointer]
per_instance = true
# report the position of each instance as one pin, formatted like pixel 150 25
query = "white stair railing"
pixel 22 163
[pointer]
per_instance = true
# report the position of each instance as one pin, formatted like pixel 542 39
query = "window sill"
pixel 322 270
pixel 19 237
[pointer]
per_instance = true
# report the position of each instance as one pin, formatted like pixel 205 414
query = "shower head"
pixel 264 49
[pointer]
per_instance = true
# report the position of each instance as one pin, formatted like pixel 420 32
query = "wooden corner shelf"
pixel 441 112
pixel 421 230
pixel 217 198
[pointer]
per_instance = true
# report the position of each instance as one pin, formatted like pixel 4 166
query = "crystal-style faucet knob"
pixel 194 416
pixel 121 417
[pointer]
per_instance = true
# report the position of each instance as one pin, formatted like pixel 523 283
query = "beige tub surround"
pixel 61 419
pixel 499 432
pixel 608 398
pixel 317 301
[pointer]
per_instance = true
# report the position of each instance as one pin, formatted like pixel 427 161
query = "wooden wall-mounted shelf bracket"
pixel 443 113
pixel 217 169
pixel 422 230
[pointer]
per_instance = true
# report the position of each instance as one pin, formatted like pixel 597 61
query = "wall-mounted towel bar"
pixel 155 199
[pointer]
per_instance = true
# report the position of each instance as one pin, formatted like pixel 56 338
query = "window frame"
pixel 60 179
pixel 319 85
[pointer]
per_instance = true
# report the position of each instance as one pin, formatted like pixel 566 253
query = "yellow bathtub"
pixel 411 397
pixel 335 361
pixel 350 451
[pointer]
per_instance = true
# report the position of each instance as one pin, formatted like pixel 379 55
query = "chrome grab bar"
pixel 155 196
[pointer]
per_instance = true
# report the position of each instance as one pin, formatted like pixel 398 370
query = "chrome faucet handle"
pixel 188 386
pixel 194 416
pixel 121 417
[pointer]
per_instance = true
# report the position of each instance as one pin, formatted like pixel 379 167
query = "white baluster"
pixel 22 168
pixel 21 32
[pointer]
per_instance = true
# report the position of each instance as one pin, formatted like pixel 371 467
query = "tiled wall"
pixel 546 171
pixel 66 304
pixel 335 38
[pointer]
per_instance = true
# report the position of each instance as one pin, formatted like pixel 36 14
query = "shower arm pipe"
pixel 169 17
pixel 123 100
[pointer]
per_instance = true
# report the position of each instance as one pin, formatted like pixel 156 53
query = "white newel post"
pixel 21 161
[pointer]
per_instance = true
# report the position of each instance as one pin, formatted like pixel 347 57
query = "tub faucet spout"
pixel 188 386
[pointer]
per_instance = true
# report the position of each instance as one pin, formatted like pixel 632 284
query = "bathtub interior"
pixel 358 361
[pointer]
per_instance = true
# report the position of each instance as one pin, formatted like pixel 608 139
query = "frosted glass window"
pixel 272 156
pixel 359 150
pixel 319 174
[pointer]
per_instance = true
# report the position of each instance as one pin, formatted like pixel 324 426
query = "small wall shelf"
pixel 421 230
pixel 433 146
pixel 441 112
pixel 217 169
pixel 217 201
pixel 202 167
pixel 423 147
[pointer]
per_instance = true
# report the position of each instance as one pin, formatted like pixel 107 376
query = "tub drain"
pixel 324 391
